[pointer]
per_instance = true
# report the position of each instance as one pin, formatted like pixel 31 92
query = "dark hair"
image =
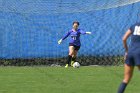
pixel 76 23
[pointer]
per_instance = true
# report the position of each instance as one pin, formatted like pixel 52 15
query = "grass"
pixel 60 80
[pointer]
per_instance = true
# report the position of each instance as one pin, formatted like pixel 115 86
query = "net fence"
pixel 30 30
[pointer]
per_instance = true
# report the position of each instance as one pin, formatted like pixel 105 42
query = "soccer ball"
pixel 76 65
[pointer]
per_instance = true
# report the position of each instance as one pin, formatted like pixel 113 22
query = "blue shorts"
pixel 133 59
pixel 75 47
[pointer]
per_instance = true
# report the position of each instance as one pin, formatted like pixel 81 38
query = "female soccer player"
pixel 132 54
pixel 74 44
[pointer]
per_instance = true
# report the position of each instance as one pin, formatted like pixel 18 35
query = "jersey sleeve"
pixel 66 35
pixel 132 28
pixel 82 32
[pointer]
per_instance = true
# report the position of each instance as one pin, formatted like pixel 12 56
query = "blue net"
pixel 31 29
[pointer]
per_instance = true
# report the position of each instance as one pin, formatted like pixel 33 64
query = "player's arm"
pixel 125 37
pixel 83 32
pixel 88 32
pixel 64 37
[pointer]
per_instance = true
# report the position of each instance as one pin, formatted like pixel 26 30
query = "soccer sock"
pixel 69 59
pixel 73 59
pixel 122 87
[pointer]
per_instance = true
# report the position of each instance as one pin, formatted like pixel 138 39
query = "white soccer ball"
pixel 76 65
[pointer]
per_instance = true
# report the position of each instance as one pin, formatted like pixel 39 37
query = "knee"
pixel 74 56
pixel 126 80
pixel 71 54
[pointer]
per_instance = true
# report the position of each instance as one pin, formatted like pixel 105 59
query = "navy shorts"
pixel 133 59
pixel 75 47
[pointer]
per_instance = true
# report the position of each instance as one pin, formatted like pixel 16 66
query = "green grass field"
pixel 60 80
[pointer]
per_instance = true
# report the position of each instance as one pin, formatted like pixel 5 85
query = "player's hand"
pixel 88 32
pixel 60 41
pixel 125 55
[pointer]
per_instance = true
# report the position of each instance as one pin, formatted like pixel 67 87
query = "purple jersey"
pixel 75 36
pixel 135 38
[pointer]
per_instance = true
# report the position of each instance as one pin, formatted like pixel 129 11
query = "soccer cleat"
pixel 66 66
pixel 72 62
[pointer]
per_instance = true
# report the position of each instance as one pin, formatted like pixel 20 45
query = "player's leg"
pixel 128 72
pixel 76 48
pixel 74 57
pixel 71 50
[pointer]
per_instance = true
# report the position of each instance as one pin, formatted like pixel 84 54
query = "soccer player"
pixel 74 44
pixel 132 54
